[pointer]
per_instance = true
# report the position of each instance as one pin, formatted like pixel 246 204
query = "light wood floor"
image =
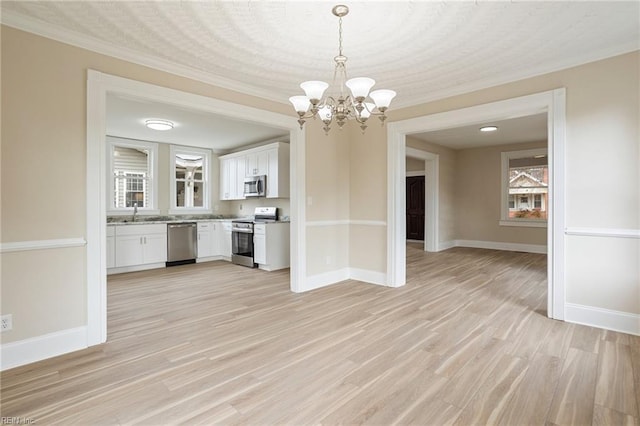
pixel 465 342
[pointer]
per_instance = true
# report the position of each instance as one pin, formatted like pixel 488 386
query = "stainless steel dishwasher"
pixel 181 243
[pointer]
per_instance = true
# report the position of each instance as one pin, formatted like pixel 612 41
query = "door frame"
pixel 98 85
pixel 431 196
pixel 553 103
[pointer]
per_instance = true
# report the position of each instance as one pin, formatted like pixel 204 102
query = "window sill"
pixel 524 223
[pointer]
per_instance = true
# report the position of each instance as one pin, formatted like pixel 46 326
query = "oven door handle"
pixel 243 231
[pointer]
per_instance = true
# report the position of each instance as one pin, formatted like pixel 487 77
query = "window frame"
pixel 206 175
pixel 505 220
pixel 152 180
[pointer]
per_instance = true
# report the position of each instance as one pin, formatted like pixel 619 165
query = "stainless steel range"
pixel 242 235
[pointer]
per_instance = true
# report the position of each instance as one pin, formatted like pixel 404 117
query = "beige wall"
pixel 478 197
pixel 368 197
pixel 327 204
pixel 414 164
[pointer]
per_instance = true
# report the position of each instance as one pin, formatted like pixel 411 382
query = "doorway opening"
pixel 552 104
pixel 99 85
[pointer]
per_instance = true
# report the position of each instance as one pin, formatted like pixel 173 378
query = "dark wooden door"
pixel 415 207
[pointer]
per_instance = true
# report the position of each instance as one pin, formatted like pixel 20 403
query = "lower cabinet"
pixel 271 245
pixel 111 247
pixel 225 239
pixel 137 245
pixel 214 240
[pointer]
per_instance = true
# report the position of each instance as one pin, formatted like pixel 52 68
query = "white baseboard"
pixel 325 279
pixel 135 268
pixel 445 245
pixel 333 277
pixel 495 245
pixel 603 318
pixel 34 349
pixel 368 276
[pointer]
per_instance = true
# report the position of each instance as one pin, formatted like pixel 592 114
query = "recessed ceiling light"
pixel 159 124
pixel 488 128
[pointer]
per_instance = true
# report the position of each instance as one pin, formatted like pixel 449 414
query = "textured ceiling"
pixel 423 50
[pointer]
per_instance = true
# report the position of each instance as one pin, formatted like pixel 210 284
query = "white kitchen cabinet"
pixel 278 171
pixel 259 244
pixel 205 239
pixel 209 240
pixel 257 163
pixel 111 247
pixel 271 245
pixel 140 245
pixel 232 173
pixel 271 160
pixel 224 238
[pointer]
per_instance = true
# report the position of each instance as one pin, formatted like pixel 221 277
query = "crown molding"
pixel 510 78
pixel 37 27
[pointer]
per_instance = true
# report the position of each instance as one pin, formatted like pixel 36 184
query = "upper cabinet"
pixel 271 160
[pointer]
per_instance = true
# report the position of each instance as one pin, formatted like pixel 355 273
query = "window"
pixel 131 181
pixel 190 180
pixel 525 188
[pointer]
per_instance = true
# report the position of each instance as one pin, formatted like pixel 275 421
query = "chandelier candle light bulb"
pixel 342 107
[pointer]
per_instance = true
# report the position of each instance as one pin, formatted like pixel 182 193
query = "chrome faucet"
pixel 135 211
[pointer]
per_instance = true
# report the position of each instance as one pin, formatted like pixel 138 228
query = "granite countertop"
pixel 127 220
pixel 147 220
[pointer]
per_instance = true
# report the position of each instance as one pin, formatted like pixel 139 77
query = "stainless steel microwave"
pixel 255 186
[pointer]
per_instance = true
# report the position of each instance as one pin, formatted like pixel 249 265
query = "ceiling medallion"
pixel 353 106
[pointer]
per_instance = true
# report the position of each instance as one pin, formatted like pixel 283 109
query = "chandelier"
pixel 354 106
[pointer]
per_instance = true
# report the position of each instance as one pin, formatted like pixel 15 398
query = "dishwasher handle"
pixel 181 225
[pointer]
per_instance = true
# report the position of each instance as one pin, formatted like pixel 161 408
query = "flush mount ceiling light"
pixel 353 106
pixel 159 124
pixel 488 128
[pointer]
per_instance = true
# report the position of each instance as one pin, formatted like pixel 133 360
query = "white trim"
pixel 316 223
pixel 446 245
pixel 431 196
pixel 325 279
pixel 497 245
pixel 604 232
pixel 15 354
pixel 416 173
pixel 98 85
pixel 368 276
pixel 553 102
pixel 341 222
pixel 523 223
pixel 368 222
pixel 42 244
pixel 134 268
pixel 608 319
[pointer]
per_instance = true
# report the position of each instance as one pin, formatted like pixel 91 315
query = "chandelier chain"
pixel 340 35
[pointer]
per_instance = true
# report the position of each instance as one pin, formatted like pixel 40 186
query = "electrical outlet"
pixel 7 322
